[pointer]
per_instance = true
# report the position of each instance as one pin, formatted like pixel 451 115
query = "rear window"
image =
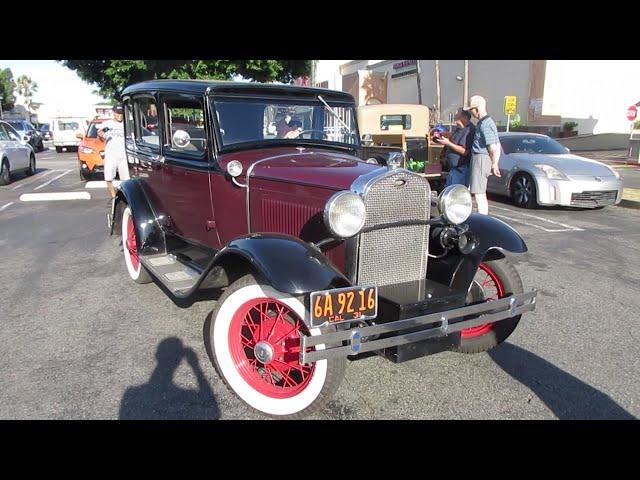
pixel 392 120
pixel 68 125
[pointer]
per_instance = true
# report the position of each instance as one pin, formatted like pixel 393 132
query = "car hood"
pixel 310 166
pixel 568 163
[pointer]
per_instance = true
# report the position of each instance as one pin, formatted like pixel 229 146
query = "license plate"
pixel 344 304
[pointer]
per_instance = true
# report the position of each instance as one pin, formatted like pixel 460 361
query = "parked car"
pixel 91 151
pixel 537 170
pixel 65 132
pixel 15 154
pixel 315 254
pixel 45 131
pixel 28 133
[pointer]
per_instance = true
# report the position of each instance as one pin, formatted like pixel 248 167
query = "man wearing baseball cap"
pixel 115 158
pixel 485 152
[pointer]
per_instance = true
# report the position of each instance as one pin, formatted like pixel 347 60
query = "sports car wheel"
pixel 255 344
pixel 136 270
pixel 5 174
pixel 494 279
pixel 523 191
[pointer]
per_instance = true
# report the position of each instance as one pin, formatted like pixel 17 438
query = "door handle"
pixel 157 161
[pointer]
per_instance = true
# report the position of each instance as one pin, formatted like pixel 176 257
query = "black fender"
pixel 492 236
pixel 287 263
pixel 149 234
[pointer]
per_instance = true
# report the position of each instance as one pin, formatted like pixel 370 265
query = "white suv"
pixel 14 154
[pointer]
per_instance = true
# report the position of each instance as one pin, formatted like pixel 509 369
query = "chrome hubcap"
pixel 263 352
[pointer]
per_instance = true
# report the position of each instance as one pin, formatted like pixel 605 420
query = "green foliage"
pixel 26 88
pixel 570 125
pixel 636 125
pixel 112 76
pixel 515 121
pixel 7 89
pixel 415 165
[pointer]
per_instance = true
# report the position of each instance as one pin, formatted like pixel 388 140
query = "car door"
pixel 17 151
pixel 142 143
pixel 187 160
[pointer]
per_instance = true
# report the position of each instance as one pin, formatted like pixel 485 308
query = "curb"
pixel 629 204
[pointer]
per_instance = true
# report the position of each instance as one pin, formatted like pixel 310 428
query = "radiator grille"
pixel 597 198
pixel 399 254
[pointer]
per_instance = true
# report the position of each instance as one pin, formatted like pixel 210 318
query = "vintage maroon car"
pixel 254 195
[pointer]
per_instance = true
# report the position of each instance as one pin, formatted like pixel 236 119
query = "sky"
pixel 60 90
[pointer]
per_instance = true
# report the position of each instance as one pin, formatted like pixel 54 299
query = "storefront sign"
pixel 510 104
pixel 404 67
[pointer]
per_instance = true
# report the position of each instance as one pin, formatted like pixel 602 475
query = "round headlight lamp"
pixel 455 204
pixel 345 214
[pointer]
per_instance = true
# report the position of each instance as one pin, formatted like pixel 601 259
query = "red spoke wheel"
pixel 255 343
pixel 136 270
pixel 492 289
pixel 494 279
pixel 264 340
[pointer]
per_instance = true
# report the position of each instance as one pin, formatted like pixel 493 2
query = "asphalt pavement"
pixel 82 341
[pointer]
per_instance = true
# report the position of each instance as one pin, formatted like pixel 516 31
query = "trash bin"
pixel 634 145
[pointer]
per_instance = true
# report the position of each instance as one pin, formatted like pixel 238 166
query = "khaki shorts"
pixel 113 165
pixel 480 171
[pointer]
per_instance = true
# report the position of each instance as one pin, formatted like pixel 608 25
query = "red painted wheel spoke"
pixel 493 289
pixel 262 320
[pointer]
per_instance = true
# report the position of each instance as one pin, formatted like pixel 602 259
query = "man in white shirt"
pixel 115 158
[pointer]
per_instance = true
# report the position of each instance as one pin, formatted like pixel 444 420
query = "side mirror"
pixel 181 139
pixel 567 150
pixel 80 135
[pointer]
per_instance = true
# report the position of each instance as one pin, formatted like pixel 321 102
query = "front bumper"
pixel 580 191
pixel 409 330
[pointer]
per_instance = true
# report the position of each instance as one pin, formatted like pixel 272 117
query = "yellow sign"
pixel 510 104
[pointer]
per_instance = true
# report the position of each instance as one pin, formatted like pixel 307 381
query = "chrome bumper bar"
pixel 487 312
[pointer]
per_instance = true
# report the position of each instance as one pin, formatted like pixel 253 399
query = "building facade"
pixel 594 94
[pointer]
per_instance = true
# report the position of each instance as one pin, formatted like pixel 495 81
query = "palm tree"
pixel 26 88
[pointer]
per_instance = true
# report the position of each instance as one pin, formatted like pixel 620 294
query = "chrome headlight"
pixel 552 172
pixel 455 204
pixel 345 214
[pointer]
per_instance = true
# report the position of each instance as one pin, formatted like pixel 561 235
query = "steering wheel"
pixel 324 134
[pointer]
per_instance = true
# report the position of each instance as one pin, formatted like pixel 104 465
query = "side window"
pixel 185 132
pixel 146 122
pixel 129 130
pixel 4 135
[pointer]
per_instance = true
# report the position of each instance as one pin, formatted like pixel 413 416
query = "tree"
pixel 7 88
pixel 26 89
pixel 112 76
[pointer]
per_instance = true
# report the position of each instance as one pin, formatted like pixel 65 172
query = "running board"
pixel 175 275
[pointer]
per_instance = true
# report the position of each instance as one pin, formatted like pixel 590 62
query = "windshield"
pixel 257 120
pixel 93 130
pixel 17 125
pixel 532 144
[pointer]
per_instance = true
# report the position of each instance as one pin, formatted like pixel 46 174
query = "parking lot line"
pixel 6 206
pixel 101 184
pixel 38 197
pixel 52 180
pixel 35 179
pixel 548 230
pixel 566 227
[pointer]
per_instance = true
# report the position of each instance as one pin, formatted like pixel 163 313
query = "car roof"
pixel 224 86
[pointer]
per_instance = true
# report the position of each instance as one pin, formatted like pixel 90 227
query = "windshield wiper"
pixel 334 114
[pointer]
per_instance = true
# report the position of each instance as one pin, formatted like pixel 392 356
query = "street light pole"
pixel 419 82
pixel 465 90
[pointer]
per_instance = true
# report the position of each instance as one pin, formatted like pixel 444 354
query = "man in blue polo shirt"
pixel 485 152
pixel 458 149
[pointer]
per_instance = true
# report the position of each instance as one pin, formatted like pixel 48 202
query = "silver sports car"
pixel 537 170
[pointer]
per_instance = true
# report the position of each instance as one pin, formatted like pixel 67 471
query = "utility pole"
pixel 419 82
pixel 465 90
pixel 437 91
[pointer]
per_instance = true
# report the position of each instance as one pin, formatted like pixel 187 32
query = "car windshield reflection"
pixel 531 144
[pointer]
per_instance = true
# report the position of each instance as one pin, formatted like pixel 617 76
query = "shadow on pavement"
pixel 566 396
pixel 159 398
